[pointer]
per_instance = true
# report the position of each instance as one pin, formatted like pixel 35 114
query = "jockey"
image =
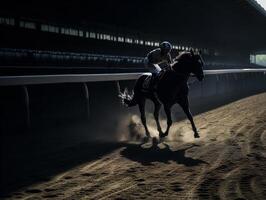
pixel 156 57
pixel 159 56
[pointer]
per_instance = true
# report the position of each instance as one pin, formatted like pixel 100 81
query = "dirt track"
pixel 227 162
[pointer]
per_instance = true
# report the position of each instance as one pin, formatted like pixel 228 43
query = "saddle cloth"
pixel 146 83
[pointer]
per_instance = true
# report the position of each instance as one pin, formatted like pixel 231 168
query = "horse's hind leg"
pixel 167 110
pixel 185 106
pixel 143 117
pixel 157 107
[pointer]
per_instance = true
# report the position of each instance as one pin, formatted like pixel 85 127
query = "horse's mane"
pixel 180 60
pixel 182 55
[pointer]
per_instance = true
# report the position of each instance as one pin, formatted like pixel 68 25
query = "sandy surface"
pixel 227 162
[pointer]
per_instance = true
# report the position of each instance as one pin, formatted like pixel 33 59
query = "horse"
pixel 172 88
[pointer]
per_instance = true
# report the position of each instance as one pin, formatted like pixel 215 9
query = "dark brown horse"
pixel 172 88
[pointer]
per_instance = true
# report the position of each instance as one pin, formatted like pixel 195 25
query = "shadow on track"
pixel 146 156
pixel 28 169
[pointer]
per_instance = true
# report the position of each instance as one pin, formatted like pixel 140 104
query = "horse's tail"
pixel 127 99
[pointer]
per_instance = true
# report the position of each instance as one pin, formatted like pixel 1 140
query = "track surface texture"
pixel 227 162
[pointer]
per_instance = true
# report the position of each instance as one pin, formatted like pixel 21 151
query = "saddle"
pixel 150 83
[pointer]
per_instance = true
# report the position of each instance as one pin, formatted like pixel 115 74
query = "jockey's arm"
pixel 170 61
pixel 151 66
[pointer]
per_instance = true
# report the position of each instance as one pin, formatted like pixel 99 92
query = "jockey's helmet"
pixel 166 47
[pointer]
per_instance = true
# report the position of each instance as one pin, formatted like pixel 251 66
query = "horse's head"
pixel 189 62
pixel 197 65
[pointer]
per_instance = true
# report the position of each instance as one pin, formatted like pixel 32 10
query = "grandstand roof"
pixel 228 24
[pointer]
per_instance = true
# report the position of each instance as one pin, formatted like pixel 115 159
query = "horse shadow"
pixel 147 156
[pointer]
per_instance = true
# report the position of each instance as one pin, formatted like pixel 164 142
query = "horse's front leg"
pixel 184 103
pixel 167 110
pixel 143 118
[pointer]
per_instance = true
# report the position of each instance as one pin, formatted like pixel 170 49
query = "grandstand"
pixel 117 36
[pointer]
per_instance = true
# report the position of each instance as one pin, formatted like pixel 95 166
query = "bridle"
pixel 183 74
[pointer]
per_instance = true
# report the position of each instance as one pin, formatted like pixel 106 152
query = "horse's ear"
pixel 192 52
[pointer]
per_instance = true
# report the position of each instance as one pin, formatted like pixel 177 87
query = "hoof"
pixel 196 136
pixel 155 141
pixel 145 139
pixel 163 135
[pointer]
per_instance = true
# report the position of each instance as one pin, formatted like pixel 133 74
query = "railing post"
pixel 27 106
pixel 87 97
pixel 216 84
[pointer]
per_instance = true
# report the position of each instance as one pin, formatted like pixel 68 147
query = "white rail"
pixel 80 78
